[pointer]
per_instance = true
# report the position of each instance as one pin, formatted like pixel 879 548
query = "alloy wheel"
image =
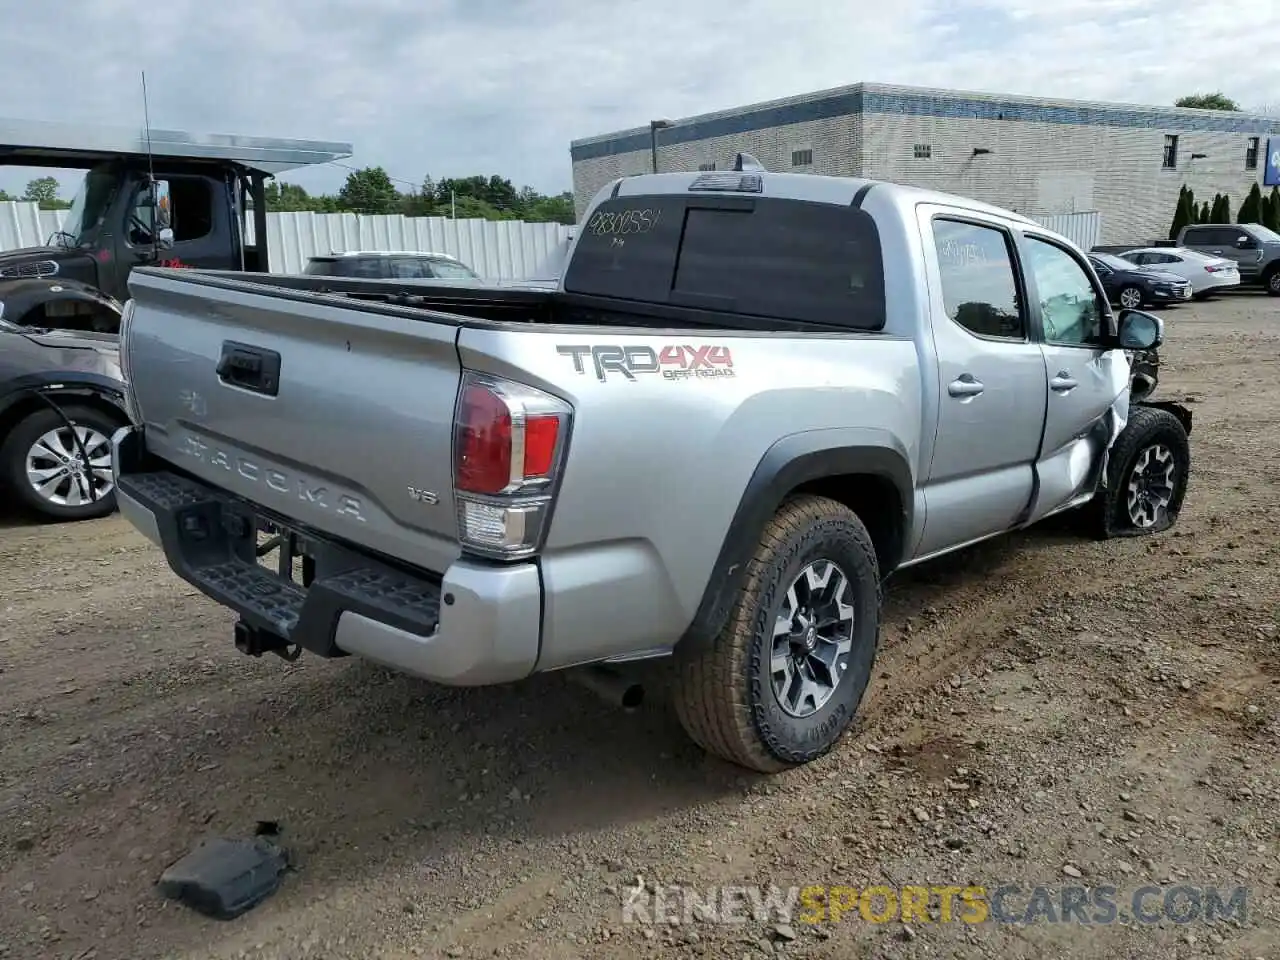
pixel 58 472
pixel 1151 486
pixel 812 639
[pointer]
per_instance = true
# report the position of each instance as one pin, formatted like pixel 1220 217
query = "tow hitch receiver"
pixel 255 642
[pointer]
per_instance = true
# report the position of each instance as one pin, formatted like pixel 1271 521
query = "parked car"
pixel 1133 286
pixel 61 399
pixel 382 265
pixel 1206 274
pixel 1254 248
pixel 751 399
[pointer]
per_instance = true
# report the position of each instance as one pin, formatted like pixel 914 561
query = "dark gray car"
pixel 61 398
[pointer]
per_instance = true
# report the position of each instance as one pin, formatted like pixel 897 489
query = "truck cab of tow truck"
pixel 149 198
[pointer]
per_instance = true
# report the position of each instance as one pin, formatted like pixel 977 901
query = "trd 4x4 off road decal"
pixel 676 362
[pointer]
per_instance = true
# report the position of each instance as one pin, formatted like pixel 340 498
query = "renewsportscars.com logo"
pixel 673 362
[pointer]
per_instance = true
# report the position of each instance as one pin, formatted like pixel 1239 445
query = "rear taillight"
pixel 508 448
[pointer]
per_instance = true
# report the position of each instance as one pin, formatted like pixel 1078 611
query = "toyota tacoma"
pixel 749 400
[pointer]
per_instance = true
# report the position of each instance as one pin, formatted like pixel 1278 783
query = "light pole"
pixel 654 127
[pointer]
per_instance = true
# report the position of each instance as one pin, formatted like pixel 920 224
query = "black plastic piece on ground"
pixel 223 878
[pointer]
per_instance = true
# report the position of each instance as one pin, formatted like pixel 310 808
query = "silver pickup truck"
pixel 751 398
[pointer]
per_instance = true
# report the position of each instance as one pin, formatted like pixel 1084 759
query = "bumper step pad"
pixel 210 538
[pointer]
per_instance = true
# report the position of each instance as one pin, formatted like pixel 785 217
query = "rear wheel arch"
pixel 863 470
pixel 23 401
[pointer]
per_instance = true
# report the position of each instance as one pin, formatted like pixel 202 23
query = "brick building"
pixel 1038 156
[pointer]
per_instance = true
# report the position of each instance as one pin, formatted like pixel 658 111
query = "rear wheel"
pixel 781 683
pixel 1131 298
pixel 42 463
pixel 1147 475
pixel 1272 282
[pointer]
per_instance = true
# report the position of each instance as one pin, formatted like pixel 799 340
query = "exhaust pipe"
pixel 609 685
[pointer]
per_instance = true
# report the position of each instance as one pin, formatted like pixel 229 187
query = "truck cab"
pixel 155 198
pixel 1254 248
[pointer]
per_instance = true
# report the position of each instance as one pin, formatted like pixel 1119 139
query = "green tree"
pixel 288 197
pixel 1271 215
pixel 1224 215
pixel 369 191
pixel 1251 210
pixel 372 190
pixel 44 191
pixel 1205 216
pixel 1207 101
pixel 6 198
pixel 1181 213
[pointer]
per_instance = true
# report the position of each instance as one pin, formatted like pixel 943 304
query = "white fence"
pixel 1082 229
pixel 497 250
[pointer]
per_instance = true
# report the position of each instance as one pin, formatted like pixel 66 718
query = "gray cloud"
pixel 501 86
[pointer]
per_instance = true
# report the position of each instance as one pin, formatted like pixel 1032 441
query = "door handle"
pixel 1063 382
pixel 965 385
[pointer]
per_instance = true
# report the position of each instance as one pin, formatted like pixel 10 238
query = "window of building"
pixel 1251 154
pixel 979 287
pixel 707 166
pixel 1170 160
pixel 922 151
pixel 802 158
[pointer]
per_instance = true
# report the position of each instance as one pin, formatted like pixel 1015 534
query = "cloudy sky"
pixel 456 87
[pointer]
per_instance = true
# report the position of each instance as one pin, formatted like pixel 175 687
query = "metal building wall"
pixel 1042 157
pixel 497 250
pixel 1082 229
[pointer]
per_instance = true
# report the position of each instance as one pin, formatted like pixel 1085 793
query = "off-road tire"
pixel 13 454
pixel 723 693
pixel 1148 427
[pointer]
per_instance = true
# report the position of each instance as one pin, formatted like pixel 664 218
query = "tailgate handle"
pixel 250 368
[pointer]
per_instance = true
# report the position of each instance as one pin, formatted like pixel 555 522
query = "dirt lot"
pixel 1046 711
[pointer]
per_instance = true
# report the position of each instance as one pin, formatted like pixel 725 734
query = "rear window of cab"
pixel 775 259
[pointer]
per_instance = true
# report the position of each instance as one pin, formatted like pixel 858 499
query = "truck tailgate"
pixel 351 435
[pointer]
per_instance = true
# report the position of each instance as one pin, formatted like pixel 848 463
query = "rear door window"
pixel 445 270
pixel 788 260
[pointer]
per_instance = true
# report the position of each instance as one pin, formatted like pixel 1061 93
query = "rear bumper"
pixel 477 624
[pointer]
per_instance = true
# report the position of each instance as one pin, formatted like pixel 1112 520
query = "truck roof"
pixel 336 255
pixel 39 143
pixel 808 186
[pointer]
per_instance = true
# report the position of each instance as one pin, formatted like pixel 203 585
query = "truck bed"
pixel 464 303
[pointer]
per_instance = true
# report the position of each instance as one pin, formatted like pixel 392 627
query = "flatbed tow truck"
pixel 148 198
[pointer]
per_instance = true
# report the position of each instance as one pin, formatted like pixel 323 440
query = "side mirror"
pixel 164 239
pixel 1140 331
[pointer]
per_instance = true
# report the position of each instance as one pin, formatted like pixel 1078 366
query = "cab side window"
pixel 1071 310
pixel 979 287
pixel 410 268
pixel 183 204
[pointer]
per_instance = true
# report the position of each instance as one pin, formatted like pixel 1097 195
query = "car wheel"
pixel 1272 281
pixel 41 462
pixel 1131 298
pixel 781 683
pixel 1147 475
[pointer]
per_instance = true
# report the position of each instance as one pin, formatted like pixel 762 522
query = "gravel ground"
pixel 1047 711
